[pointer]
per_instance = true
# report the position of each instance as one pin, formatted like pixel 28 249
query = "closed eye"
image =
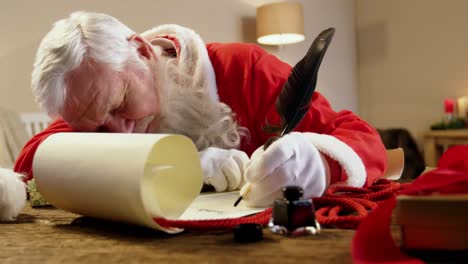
pixel 121 107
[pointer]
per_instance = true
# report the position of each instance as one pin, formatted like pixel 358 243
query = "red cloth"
pixel 249 80
pixel 24 161
pixel 373 243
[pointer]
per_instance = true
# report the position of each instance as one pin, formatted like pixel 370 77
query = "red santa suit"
pixel 248 79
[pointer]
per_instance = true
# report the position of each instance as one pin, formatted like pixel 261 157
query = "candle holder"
pixel 450 119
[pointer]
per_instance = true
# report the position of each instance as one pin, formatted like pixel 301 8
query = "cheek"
pixel 140 106
pixel 142 100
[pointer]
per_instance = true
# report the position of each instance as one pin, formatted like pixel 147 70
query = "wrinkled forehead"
pixel 89 91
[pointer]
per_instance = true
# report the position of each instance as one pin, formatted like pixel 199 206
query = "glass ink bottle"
pixel 293 215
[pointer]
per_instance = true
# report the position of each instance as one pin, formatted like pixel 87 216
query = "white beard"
pixel 189 99
pixel 188 109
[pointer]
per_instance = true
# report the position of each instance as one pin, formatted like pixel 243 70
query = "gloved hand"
pixel 12 194
pixel 290 160
pixel 223 168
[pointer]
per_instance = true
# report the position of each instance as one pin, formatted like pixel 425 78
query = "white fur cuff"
pixel 343 154
pixel 12 194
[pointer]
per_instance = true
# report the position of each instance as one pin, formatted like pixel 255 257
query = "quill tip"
pixel 237 201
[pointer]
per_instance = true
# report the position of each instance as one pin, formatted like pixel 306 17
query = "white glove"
pixel 223 168
pixel 12 194
pixel 290 160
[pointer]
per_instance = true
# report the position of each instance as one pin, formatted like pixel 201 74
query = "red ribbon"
pixel 341 206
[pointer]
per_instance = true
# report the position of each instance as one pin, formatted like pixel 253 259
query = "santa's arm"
pixel 353 149
pixel 25 159
pixel 249 81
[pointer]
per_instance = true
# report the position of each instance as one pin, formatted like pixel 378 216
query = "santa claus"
pixel 93 73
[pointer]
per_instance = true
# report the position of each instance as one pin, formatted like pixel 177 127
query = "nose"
pixel 117 124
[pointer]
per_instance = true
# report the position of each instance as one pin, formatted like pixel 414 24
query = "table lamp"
pixel 280 23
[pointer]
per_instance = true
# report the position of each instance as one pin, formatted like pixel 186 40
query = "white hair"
pixel 95 36
pixel 188 108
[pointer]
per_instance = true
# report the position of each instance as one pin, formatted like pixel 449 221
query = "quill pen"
pixel 294 100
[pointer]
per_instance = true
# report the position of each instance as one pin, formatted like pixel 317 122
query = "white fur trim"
pixel 344 154
pixel 12 194
pixel 192 52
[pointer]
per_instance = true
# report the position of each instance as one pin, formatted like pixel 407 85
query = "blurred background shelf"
pixel 437 141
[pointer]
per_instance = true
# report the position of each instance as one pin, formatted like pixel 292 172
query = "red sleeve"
pixel 25 159
pixel 249 81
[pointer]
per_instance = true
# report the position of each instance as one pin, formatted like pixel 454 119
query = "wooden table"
pixel 436 141
pixel 54 236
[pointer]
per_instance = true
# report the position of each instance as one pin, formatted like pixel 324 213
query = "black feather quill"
pixel 294 100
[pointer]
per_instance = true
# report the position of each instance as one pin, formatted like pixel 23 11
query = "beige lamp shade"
pixel 280 23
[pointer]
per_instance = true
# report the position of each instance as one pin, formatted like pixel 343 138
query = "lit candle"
pixel 449 103
pixel 462 106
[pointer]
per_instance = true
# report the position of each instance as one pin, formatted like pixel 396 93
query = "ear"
pixel 143 47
